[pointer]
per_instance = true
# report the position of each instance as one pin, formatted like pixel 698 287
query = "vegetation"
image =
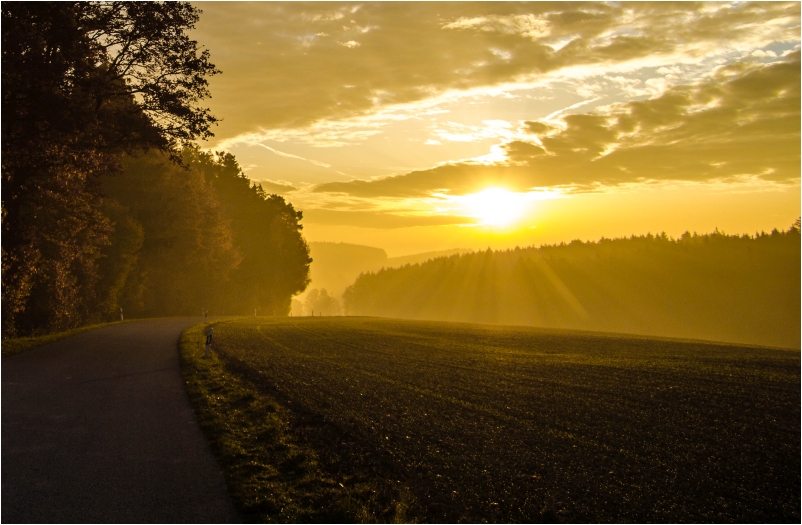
pixel 98 98
pixel 481 423
pixel 742 289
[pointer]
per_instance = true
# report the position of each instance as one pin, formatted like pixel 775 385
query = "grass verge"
pixel 20 344
pixel 273 473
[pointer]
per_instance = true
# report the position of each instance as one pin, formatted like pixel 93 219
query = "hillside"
pixel 743 289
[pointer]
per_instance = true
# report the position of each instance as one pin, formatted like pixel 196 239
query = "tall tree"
pixel 82 84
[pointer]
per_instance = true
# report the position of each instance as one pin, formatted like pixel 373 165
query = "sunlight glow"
pixel 495 206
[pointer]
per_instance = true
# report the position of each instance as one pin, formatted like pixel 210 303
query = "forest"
pixel 742 289
pixel 108 209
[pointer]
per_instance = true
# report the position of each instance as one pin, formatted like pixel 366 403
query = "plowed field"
pixel 486 423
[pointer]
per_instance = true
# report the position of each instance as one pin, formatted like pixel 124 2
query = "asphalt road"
pixel 98 428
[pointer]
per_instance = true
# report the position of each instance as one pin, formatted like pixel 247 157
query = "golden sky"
pixel 424 126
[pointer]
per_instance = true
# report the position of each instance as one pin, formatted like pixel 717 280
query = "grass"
pixel 20 344
pixel 273 471
pixel 453 422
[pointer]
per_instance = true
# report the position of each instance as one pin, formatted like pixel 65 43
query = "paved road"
pixel 98 428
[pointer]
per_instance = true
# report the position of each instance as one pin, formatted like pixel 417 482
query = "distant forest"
pixel 743 289
pixel 105 203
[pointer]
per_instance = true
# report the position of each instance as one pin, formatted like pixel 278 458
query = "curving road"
pixel 98 428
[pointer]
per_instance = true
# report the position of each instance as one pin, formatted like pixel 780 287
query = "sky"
pixel 427 126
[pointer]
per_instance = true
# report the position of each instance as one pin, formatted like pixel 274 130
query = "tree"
pixel 320 302
pixel 82 84
pixel 144 51
pixel 267 231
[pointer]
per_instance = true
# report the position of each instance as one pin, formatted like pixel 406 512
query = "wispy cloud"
pixel 559 112
pixel 457 47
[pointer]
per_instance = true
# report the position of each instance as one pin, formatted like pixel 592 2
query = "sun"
pixel 494 206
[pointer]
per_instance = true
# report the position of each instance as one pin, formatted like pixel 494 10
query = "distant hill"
pixel 720 287
pixel 337 264
pixel 394 262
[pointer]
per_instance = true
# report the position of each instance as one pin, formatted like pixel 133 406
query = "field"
pixel 451 422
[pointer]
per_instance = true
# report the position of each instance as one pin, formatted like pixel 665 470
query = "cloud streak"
pixel 291 156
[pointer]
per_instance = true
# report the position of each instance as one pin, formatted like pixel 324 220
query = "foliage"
pixel 102 207
pixel 273 473
pixel 500 424
pixel 209 240
pixel 143 50
pixel 82 84
pixel 716 286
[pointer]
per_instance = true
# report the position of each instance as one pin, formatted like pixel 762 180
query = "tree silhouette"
pixel 82 84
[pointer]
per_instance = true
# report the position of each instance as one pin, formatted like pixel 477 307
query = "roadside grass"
pixel 273 473
pixel 368 419
pixel 20 344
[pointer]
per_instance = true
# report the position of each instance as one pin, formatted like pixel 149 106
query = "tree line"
pixel 105 205
pixel 743 289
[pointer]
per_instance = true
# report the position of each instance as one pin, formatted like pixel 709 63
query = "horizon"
pixel 462 250
pixel 401 262
pixel 427 127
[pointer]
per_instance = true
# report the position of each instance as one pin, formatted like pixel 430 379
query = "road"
pixel 97 428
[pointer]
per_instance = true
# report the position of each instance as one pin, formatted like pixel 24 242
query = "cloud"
pixel 526 25
pixel 412 52
pixel 742 123
pixel 379 220
pixel 456 132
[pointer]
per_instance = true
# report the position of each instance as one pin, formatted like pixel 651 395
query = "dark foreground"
pixel 473 423
pixel 97 428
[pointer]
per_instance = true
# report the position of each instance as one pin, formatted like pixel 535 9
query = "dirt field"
pixel 487 423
